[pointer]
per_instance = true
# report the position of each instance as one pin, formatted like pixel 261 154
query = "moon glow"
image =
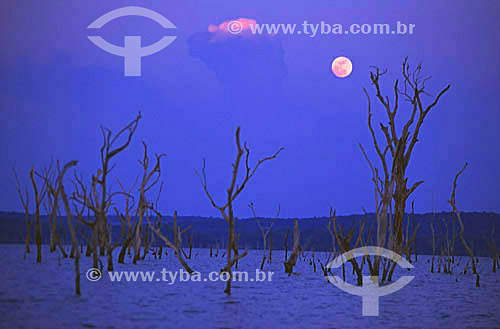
pixel 342 67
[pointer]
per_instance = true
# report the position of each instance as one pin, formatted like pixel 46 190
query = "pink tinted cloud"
pixel 232 28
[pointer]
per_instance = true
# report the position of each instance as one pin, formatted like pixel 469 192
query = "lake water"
pixel 42 296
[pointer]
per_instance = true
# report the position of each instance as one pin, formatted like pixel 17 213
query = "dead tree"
pixel 39 196
pixel 160 251
pixel 286 244
pixel 234 189
pixel 493 247
pixel 56 190
pixel 178 232
pixel 383 195
pixel 405 248
pixel 74 239
pixel 399 145
pixel 264 232
pixel 99 200
pixel 110 148
pixel 52 208
pixel 86 200
pixel 452 202
pixel 149 179
pixel 128 226
pixel 346 244
pixel 175 246
pixel 190 246
pixel 290 263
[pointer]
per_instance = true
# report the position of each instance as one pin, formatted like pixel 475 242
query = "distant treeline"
pixel 209 231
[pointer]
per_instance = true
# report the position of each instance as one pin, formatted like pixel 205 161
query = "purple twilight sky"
pixel 57 88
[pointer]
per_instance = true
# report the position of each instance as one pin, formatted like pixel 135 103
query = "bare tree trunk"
pixel 146 242
pixel 265 233
pixel 175 246
pixel 229 265
pixel 457 213
pixel 263 255
pixel 123 250
pixel 313 262
pixel 398 146
pixel 290 263
pixel 61 248
pixel 190 245
pixel 28 235
pixel 38 231
pixel 226 210
pixel 286 244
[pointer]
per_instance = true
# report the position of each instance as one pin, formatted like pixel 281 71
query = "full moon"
pixel 342 67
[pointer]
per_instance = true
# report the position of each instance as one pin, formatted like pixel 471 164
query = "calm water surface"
pixel 41 296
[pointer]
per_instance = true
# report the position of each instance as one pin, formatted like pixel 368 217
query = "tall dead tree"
pixel 52 208
pixel 128 226
pixel 55 188
pixel 396 148
pixel 234 189
pixel 75 252
pixel 99 199
pixel 150 178
pixel 452 202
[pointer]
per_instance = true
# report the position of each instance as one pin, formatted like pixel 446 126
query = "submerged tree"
pixel 290 263
pixel 265 232
pixel 39 195
pixel 99 199
pixel 234 189
pixel 395 150
pixel 493 247
pixel 177 245
pixel 150 178
pixel 452 202
pixel 346 243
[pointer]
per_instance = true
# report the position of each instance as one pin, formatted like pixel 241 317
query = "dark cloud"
pixel 241 61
